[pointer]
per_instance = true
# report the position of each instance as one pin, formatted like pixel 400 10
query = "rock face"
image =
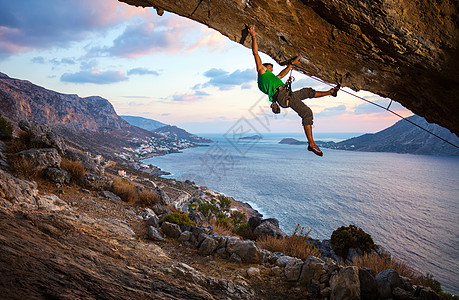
pixel 405 50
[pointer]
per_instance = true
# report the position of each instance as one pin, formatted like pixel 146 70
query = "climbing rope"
pixel 387 109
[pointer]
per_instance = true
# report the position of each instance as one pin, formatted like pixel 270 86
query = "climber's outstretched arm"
pixel 260 68
pixel 288 67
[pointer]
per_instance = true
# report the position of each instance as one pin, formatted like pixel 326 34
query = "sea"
pixel 408 203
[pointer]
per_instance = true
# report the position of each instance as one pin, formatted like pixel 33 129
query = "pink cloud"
pixel 213 42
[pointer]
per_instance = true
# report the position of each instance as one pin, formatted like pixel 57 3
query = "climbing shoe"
pixel 316 150
pixel 335 90
pixel 275 108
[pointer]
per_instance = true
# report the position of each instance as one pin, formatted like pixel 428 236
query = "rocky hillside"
pixel 405 50
pixel 403 137
pixel 89 123
pixel 81 235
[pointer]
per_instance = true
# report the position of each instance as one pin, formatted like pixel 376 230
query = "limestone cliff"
pixel 402 49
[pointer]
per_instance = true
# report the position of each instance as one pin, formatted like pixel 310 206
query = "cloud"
pixel 333 111
pixel 213 42
pixel 62 61
pixel 96 77
pixel 142 71
pixel 38 60
pixel 30 24
pixel 147 36
pixel 226 81
pixel 198 95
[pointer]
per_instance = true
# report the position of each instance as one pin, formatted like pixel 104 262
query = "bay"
pixel 408 203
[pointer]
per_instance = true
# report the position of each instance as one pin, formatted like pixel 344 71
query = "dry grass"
pixel 74 167
pixel 19 144
pixel 125 189
pixel 223 230
pixel 24 168
pixel 295 245
pixel 381 263
pixel 147 198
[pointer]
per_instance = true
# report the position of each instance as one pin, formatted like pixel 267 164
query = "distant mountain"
pixel 178 133
pixel 403 137
pixel 144 123
pixel 90 124
pixel 292 141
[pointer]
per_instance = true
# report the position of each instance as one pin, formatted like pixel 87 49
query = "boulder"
pixel 96 182
pixel 185 236
pixel 110 195
pixel 51 203
pixel 165 199
pixel 253 272
pixel 43 135
pixel 40 159
pixel 353 252
pixel 197 217
pixel 368 286
pixel 254 222
pixel 283 260
pixel 231 243
pixel 190 274
pixel 91 165
pixel 160 209
pixel 345 284
pixel 273 221
pixel 235 258
pixel 171 230
pixel 247 251
pixel 292 269
pixel 426 293
pixel 154 234
pixel 268 229
pixel 146 214
pixel 313 270
pixel 208 246
pixel 57 175
pixel 17 190
pixel 387 281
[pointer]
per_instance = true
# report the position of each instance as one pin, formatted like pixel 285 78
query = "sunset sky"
pixel 167 68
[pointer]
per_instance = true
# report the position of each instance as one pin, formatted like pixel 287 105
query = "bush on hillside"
pixel 148 198
pixel 224 203
pixel 125 189
pixel 296 245
pixel 208 209
pixel 178 217
pixel 74 168
pixel 344 238
pixel 5 126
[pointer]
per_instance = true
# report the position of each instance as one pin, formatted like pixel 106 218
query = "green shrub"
pixel 224 203
pixel 238 218
pixel 244 230
pixel 178 217
pixel 208 208
pixel 222 220
pixel 5 126
pixel 352 236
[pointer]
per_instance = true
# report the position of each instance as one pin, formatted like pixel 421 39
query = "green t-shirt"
pixel 268 83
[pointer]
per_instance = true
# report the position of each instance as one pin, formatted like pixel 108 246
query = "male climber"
pixel 273 86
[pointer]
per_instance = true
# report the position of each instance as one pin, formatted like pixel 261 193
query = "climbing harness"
pixel 391 111
pixel 288 87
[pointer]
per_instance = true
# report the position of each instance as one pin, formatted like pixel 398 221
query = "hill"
pixel 144 123
pixel 179 133
pixel 402 137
